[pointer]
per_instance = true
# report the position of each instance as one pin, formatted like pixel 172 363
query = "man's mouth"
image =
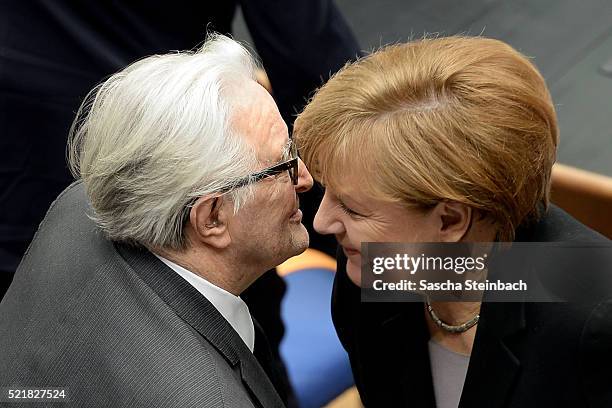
pixel 296 215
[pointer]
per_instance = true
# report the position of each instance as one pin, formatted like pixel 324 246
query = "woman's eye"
pixel 348 211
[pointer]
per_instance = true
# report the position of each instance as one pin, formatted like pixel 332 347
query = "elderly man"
pixel 129 293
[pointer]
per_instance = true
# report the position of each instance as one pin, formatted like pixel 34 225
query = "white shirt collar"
pixel 231 307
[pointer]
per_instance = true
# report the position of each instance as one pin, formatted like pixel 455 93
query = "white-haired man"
pixel 190 179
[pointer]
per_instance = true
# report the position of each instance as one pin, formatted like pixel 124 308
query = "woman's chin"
pixel 353 270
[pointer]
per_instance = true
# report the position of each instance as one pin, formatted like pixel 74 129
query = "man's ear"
pixel 208 219
pixel 454 220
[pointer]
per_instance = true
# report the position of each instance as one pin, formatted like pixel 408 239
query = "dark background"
pixel 569 41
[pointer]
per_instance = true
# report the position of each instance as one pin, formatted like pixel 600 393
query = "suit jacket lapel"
pixel 404 349
pixel 199 313
pixel 387 344
pixel 494 366
pixel 494 363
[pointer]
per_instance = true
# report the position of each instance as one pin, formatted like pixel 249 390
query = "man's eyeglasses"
pixel 290 165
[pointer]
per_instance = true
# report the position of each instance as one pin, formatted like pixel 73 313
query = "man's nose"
pixel 324 221
pixel 304 178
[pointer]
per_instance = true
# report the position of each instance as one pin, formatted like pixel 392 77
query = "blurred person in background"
pixel 129 294
pixel 451 140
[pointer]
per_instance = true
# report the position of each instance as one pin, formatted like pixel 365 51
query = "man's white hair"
pixel 155 136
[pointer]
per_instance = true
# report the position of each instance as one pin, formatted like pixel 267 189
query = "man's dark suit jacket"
pixel 116 327
pixel 525 354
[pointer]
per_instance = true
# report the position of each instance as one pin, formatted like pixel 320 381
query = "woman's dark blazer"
pixel 524 354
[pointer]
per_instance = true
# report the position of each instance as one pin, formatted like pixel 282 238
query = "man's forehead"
pixel 275 152
pixel 260 123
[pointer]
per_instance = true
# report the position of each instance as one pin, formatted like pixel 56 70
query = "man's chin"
pixel 296 242
pixel 301 240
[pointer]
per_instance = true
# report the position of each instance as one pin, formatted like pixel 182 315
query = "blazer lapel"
pixel 494 366
pixel 252 370
pixel 404 352
pixel 201 315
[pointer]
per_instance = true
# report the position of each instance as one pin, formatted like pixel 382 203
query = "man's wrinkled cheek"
pixel 276 194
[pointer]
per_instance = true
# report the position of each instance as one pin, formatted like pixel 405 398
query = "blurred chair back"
pixel 318 366
pixel 586 196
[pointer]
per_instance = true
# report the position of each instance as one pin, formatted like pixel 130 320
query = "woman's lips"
pixel 350 251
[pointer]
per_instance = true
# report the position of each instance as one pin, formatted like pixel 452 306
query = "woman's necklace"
pixel 449 327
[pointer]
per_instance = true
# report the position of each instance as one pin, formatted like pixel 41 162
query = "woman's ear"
pixel 454 220
pixel 208 221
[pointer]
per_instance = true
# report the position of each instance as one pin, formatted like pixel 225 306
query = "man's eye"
pixel 282 174
pixel 276 176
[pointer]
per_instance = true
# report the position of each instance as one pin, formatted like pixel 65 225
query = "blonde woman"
pixel 450 140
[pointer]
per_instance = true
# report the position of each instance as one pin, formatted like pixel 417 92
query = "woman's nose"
pixel 324 220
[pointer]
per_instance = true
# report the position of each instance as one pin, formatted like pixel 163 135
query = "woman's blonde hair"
pixel 466 119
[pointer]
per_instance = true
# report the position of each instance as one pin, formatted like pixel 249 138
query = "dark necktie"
pixel 273 366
